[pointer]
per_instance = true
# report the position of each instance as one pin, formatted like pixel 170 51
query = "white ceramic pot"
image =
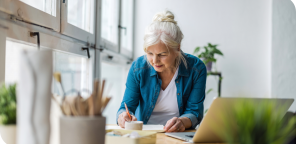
pixel 82 130
pixel 8 134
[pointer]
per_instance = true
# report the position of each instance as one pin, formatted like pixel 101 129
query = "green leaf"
pixel 209 91
pixel 216 51
pixel 8 104
pixel 196 50
pixel 206 49
pixel 208 54
pixel 210 45
pixel 258 124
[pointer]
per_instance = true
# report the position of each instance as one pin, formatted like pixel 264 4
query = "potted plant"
pixel 8 113
pixel 258 124
pixel 208 54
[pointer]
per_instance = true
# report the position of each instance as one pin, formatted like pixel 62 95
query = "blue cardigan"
pixel 143 86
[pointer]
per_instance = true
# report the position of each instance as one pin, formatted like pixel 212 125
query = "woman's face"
pixel 160 58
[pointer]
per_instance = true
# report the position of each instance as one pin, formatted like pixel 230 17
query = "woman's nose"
pixel 155 59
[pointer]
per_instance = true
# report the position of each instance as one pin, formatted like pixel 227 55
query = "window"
pixel 42 12
pixel 75 68
pixel 109 24
pixel 78 17
pixel 76 73
pixel 12 59
pixel 65 26
pixel 81 14
pixel 117 26
pixel 48 6
pixel 115 76
pixel 126 29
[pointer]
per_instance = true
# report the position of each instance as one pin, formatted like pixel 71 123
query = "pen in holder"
pixel 82 121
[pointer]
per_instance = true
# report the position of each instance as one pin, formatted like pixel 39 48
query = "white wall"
pixel 242 28
pixel 284 50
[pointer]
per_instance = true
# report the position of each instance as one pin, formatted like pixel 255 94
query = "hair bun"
pixel 166 16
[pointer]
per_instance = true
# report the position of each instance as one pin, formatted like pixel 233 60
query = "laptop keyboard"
pixel 191 136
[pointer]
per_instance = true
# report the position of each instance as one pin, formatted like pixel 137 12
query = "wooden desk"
pixel 161 138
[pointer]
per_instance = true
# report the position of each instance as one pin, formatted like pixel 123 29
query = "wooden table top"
pixel 161 138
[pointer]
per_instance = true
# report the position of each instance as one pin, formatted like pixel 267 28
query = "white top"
pixel 166 106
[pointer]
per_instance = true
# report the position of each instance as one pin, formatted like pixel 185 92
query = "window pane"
pixel 126 22
pixel 75 72
pixel 12 58
pixel 115 76
pixel 109 20
pixel 81 14
pixel 48 6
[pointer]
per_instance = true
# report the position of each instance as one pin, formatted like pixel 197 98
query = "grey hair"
pixel 165 29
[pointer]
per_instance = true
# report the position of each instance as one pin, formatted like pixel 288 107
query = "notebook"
pixel 154 128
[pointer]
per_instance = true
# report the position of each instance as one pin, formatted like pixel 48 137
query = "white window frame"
pixel 105 44
pixel 27 13
pixel 48 39
pixel 73 31
pixel 123 51
pixel 3 31
pixel 19 31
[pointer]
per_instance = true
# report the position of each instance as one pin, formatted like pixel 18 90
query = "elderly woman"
pixel 165 86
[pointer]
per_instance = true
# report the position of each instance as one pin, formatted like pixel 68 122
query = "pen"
pixel 129 115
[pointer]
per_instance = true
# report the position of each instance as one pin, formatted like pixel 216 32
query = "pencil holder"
pixel 82 130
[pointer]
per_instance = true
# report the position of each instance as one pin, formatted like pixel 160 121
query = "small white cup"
pixel 134 125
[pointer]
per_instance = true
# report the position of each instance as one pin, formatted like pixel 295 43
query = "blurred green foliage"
pixel 208 54
pixel 259 124
pixel 7 104
pixel 208 91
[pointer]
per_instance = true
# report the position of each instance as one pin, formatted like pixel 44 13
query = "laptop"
pixel 205 133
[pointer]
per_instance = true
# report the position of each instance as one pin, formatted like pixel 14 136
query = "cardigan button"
pixel 178 93
pixel 177 81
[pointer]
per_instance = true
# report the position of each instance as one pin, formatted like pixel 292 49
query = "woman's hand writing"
pixel 123 117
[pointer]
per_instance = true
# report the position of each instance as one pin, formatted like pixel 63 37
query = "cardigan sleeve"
pixel 132 93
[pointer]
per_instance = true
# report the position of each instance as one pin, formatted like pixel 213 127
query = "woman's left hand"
pixel 174 125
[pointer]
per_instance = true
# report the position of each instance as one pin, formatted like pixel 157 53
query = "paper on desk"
pixel 113 127
pixel 155 128
pixel 158 128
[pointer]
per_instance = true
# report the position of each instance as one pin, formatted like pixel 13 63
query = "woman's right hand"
pixel 123 117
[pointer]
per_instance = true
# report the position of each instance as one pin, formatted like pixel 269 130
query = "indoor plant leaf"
pixel 8 104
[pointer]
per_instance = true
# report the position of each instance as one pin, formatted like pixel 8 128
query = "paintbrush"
pixel 105 103
pixel 99 99
pixel 92 98
pixel 58 78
